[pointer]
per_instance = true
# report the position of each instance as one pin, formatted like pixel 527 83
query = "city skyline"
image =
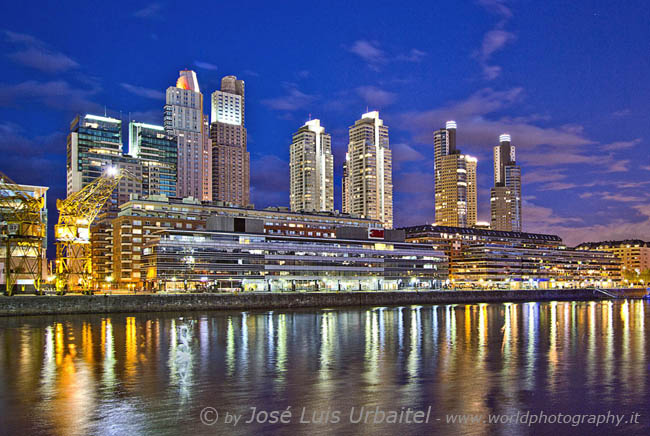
pixel 599 165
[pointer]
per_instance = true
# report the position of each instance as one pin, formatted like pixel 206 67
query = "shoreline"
pixel 106 304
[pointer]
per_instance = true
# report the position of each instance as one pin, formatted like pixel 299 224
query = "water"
pixel 155 373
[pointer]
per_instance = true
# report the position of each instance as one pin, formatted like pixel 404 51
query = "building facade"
pixel 494 266
pixel 311 167
pixel 158 154
pixel 455 181
pixel 221 260
pixel 230 158
pixel 184 119
pixel 118 239
pixel 94 145
pixel 505 196
pixel 633 253
pixel 369 173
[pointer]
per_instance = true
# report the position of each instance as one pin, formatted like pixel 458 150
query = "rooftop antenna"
pixel 310 117
pixel 104 110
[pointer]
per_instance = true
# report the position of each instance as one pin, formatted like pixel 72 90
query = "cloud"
pixel 369 51
pixel 557 186
pixel 621 113
pixel 646 167
pixel 376 97
pixel 152 11
pixel 143 92
pixel 406 153
pixel 57 94
pixel 493 41
pixel 375 56
pixel 545 175
pixel 251 73
pixel 293 100
pixel 620 145
pixel 206 65
pixel 413 55
pixel 34 53
pixel 497 7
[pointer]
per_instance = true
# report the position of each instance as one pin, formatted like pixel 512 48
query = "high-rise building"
pixel 505 197
pixel 95 144
pixel 369 179
pixel 345 191
pixel 158 154
pixel 311 169
pixel 184 119
pixel 230 159
pixel 455 181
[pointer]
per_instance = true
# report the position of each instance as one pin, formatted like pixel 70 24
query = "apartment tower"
pixel 311 169
pixel 184 119
pixel 230 159
pixel 455 181
pixel 369 176
pixel 505 197
pixel 157 151
pixel 95 144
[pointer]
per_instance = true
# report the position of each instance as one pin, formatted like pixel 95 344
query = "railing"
pixel 610 295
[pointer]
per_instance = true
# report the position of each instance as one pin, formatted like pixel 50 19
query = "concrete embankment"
pixel 72 304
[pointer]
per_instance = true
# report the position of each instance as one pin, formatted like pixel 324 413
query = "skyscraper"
pixel 505 197
pixel 230 159
pixel 95 144
pixel 184 119
pixel 345 190
pixel 158 154
pixel 455 181
pixel 311 169
pixel 369 180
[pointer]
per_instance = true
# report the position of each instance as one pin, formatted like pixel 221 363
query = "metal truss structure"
pixel 22 232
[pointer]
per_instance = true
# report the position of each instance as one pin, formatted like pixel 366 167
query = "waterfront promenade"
pixel 122 303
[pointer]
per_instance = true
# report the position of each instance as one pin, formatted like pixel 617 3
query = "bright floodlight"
pixel 112 171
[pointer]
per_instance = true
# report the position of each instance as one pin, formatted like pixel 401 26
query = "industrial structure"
pixel 23 230
pixel 76 214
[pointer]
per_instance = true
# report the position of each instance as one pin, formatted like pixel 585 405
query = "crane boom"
pixel 76 214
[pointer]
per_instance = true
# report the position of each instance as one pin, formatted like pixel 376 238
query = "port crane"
pixel 22 232
pixel 72 232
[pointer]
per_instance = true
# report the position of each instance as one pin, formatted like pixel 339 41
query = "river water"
pixel 343 371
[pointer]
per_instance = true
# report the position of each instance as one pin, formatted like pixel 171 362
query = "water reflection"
pixel 153 373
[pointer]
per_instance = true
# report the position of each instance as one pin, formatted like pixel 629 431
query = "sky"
pixel 567 80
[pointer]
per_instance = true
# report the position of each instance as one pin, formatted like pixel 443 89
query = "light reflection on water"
pixel 153 373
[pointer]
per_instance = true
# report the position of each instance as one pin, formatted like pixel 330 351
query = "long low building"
pixel 118 239
pixel 184 260
pixel 508 267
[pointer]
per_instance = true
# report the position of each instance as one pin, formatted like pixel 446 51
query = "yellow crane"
pixel 22 232
pixel 72 233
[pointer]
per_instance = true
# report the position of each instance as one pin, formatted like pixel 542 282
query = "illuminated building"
pixel 158 154
pixel 505 196
pixel 455 181
pixel 185 120
pixel 251 260
pixel 345 191
pixel 510 267
pixel 95 144
pixel 311 168
pixel 634 253
pixel 230 159
pixel 118 239
pixel 369 177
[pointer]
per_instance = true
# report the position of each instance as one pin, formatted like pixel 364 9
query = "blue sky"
pixel 568 80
